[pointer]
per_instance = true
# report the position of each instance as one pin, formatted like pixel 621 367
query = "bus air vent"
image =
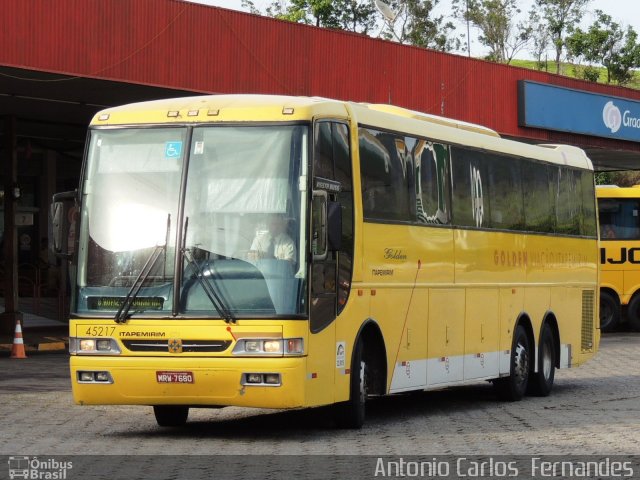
pixel 588 301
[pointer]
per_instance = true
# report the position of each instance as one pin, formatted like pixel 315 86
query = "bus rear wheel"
pixel 541 382
pixel 513 387
pixel 609 312
pixel 350 414
pixel 171 415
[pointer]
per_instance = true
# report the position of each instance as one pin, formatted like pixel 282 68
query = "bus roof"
pixel 613 191
pixel 272 108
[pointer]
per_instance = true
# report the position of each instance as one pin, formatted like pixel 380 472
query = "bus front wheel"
pixel 609 312
pixel 513 387
pixel 171 415
pixel 350 414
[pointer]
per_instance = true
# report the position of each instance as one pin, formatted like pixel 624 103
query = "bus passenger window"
pixel 432 187
pixel 385 180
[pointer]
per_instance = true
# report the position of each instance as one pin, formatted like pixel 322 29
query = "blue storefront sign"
pixel 575 111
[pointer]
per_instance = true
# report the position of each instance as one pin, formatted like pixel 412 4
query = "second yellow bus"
pixel 619 217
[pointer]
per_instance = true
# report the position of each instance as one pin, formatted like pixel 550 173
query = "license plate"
pixel 174 377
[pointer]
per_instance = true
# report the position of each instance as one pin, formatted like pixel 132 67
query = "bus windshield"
pixel 229 231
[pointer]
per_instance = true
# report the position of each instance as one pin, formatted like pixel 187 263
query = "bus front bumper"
pixel 191 381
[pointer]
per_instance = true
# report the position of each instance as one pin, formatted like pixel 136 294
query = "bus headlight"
pixel 273 346
pixel 93 346
pixel 269 347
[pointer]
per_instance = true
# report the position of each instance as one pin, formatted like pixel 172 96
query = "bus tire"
pixel 610 311
pixel 633 313
pixel 541 382
pixel 171 415
pixel 513 387
pixel 350 414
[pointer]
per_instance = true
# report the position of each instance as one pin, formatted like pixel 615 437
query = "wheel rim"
pixel 521 364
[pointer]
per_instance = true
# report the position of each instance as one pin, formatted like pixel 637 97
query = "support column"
pixel 9 164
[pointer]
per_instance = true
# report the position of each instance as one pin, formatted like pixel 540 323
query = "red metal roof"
pixel 187 46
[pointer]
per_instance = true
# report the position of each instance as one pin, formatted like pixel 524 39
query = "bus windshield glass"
pixel 245 221
pixel 239 238
pixel 619 218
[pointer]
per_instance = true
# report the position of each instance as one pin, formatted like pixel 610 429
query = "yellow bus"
pixel 619 218
pixel 285 252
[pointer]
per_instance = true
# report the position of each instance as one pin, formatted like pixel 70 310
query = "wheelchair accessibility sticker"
pixel 173 149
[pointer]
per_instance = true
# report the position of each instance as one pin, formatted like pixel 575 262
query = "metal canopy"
pixel 613 160
pixel 52 111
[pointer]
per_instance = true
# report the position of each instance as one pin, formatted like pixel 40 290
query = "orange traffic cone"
pixel 17 350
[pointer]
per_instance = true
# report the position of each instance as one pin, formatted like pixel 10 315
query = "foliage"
pixel 414 24
pixel 590 73
pixel 603 178
pixel 624 178
pixel 495 20
pixel 606 43
pixel 413 21
pixel 351 15
pixel 540 38
pixel 561 18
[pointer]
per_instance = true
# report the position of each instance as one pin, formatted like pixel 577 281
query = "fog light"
pixel 272 378
pixel 86 376
pixel 103 377
pixel 254 378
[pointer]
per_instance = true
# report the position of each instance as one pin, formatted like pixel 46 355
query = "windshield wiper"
pixel 208 288
pixel 123 311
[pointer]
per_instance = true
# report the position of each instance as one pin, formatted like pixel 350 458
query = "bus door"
pixel 332 250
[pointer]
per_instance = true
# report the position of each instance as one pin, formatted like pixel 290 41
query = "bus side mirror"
pixel 326 225
pixel 62 214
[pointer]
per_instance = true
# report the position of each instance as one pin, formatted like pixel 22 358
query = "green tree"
pixel 351 15
pixel 540 39
pixel 498 30
pixel 415 24
pixel 627 59
pixel 603 178
pixel 561 17
pixel 607 44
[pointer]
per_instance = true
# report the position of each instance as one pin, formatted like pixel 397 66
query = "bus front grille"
pixel 187 345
